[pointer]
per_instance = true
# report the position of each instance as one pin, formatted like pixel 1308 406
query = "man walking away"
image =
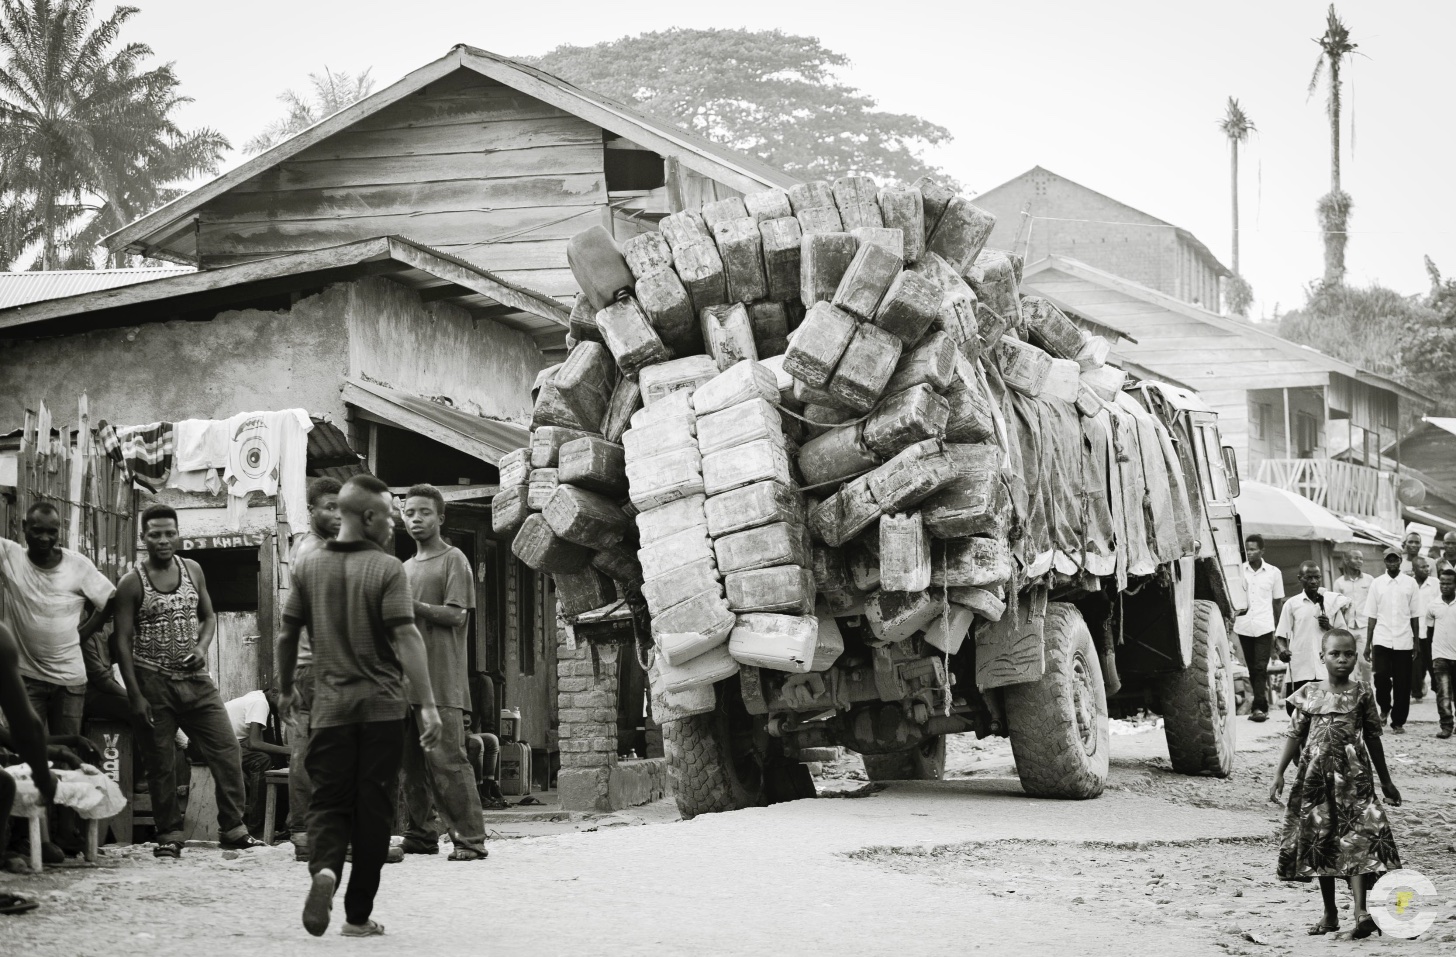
pixel 1302 625
pixel 251 718
pixel 164 626
pixel 1440 619
pixel 355 600
pixel 323 525
pixel 1391 625
pixel 1428 590
pixel 1265 586
pixel 444 592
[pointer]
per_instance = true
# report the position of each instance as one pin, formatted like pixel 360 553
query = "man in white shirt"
pixel 1265 586
pixel 1440 624
pixel 250 716
pixel 1391 623
pixel 1302 625
pixel 1412 546
pixel 1427 591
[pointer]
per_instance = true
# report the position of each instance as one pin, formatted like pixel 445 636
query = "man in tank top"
pixel 164 626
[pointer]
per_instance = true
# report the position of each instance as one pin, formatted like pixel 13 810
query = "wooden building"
pixel 399 271
pixel 1291 413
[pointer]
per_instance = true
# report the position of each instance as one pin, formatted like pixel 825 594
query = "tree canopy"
pixel 87 135
pixel 764 92
pixel 332 91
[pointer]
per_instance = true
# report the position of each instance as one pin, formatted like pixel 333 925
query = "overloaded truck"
pixel 857 490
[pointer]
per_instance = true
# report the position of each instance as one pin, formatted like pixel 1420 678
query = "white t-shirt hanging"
pixel 267 453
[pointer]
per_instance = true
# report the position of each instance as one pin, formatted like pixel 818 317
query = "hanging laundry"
pixel 267 452
pixel 145 451
pixel 196 480
pixel 200 444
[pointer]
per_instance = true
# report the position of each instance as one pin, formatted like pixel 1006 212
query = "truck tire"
pixel 1198 702
pixel 1059 731
pixel 925 763
pixel 723 761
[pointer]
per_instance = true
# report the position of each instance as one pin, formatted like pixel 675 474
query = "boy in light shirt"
pixel 1303 621
pixel 1440 622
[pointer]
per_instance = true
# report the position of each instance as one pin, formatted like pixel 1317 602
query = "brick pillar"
pixel 586 698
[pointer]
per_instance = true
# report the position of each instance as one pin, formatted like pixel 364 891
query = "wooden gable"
pixel 465 165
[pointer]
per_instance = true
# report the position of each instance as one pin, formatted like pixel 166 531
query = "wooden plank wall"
pixel 467 166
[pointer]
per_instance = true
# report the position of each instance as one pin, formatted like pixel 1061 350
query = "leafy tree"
pixel 766 93
pixel 1362 326
pixel 332 91
pixel 87 139
pixel 1428 348
pixel 1334 207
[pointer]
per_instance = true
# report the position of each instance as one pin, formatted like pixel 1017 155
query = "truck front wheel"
pixel 1059 731
pixel 724 760
pixel 1198 702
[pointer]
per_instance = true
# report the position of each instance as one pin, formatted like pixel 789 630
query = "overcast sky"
pixel 1122 96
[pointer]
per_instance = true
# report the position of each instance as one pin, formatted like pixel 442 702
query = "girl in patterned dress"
pixel 1335 825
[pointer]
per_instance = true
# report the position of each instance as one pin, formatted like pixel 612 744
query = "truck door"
pixel 1219 506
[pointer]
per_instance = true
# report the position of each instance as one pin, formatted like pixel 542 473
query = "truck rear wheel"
pixel 1059 731
pixel 1198 702
pixel 724 760
pixel 925 763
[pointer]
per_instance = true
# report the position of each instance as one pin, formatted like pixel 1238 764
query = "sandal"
pixel 1320 927
pixel 370 928
pixel 1365 928
pixel 172 849
pixel 15 904
pixel 463 852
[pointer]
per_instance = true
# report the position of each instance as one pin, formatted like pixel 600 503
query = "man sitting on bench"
pixel 255 725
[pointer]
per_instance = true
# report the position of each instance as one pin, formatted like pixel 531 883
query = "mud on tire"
pixel 1198 702
pixel 1059 731
pixel 925 763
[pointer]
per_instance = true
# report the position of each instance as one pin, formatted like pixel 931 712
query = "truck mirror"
pixel 1231 469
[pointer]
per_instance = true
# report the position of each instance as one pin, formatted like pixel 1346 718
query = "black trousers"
pixel 1392 683
pixel 1256 656
pixel 1420 666
pixel 355 773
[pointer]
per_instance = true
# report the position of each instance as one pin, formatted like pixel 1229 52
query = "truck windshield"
pixel 1210 461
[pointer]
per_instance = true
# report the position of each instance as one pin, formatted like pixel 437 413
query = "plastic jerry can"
pixel 599 267
pixel 515 768
pixel 510 724
pixel 780 642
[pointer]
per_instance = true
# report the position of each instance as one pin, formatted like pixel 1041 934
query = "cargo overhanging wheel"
pixel 1198 702
pixel 724 760
pixel 925 763
pixel 1059 731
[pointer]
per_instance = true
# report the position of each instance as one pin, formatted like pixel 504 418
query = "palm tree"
pixel 1333 208
pixel 86 136
pixel 1237 126
pixel 332 91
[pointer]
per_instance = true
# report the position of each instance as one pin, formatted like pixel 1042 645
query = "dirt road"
pixel 1159 864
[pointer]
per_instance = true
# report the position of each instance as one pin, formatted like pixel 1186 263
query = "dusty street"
pixel 1160 863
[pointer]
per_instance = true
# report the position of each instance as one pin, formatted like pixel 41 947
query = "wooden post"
pixel 1288 430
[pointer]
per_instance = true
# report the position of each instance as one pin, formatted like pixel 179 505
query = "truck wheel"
pixel 724 760
pixel 925 763
pixel 1198 702
pixel 1059 731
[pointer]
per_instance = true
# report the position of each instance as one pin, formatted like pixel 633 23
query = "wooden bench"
pixel 37 818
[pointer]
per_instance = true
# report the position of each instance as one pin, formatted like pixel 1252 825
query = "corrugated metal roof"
pixel 20 288
pixel 328 446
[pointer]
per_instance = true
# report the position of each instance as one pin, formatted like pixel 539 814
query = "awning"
pixel 1430 518
pixel 486 439
pixel 1276 513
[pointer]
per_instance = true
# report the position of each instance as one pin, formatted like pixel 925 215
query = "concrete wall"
pixel 237 362
pixel 483 367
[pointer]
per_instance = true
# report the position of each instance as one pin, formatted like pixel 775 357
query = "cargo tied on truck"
pixel 854 489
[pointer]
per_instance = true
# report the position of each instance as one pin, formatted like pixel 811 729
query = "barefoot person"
pixel 356 602
pixel 164 627
pixel 1335 825
pixel 441 779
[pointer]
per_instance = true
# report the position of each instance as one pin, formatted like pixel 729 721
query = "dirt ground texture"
pixel 1159 864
